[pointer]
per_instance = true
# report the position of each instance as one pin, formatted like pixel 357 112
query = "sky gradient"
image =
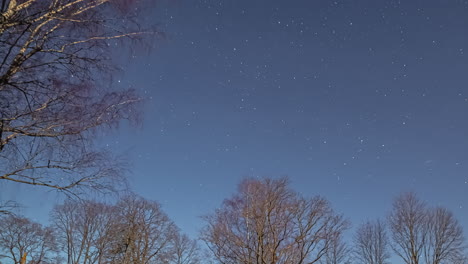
pixel 357 101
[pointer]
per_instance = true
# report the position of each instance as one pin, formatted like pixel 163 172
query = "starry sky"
pixel 357 101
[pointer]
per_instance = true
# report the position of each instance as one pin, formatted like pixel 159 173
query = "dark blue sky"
pixel 357 101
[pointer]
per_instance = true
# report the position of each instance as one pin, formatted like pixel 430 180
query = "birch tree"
pixel 84 231
pixel 186 250
pixel 23 238
pixel 141 233
pixel 55 94
pixel 267 222
pixel 423 234
pixel 371 244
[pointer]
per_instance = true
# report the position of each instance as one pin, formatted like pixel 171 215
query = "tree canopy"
pixel 56 63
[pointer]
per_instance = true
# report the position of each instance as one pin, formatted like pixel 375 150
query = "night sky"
pixel 357 101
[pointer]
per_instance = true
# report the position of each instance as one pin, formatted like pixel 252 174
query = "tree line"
pixel 133 230
pixel 264 222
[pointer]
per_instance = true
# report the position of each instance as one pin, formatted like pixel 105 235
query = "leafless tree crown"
pixel 422 234
pixel 339 252
pixel 133 231
pixel 266 222
pixel 21 237
pixel 371 244
pixel 55 56
pixel 84 231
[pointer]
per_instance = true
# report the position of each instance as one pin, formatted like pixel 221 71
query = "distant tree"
pixel 55 70
pixel 408 225
pixel 83 231
pixel 7 207
pixel 445 240
pixel 133 231
pixel 267 222
pixel 22 238
pixel 460 259
pixel 338 253
pixel 424 235
pixel 371 244
pixel 186 250
pixel 141 233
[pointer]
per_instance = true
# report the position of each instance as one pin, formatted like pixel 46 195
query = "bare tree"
pixel 338 253
pixel 445 239
pixel 422 234
pixel 83 230
pixel 186 250
pixel 132 231
pixel 7 207
pixel 142 233
pixel 408 226
pixel 371 245
pixel 267 222
pixel 55 67
pixel 460 259
pixel 21 238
